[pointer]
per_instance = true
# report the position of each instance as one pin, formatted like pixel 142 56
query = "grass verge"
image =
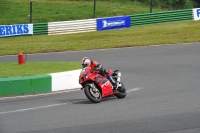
pixel 168 33
pixel 36 68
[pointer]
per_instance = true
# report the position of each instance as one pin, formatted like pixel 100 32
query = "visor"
pixel 84 65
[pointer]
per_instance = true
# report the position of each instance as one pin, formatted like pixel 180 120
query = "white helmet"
pixel 85 62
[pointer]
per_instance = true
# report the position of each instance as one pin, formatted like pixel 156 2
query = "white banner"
pixel 196 13
pixel 16 29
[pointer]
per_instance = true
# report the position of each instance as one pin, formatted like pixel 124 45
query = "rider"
pixel 85 62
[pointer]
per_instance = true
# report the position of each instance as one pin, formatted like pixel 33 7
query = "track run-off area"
pixel 163 95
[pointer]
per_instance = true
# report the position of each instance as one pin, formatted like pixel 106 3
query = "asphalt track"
pixel 163 84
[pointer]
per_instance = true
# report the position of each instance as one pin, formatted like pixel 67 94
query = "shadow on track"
pixel 85 101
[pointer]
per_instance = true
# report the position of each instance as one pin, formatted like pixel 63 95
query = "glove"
pixel 97 69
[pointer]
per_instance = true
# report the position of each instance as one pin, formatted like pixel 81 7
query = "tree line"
pixel 173 4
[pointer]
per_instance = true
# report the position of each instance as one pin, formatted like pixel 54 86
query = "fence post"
pixel 31 12
pixel 151 2
pixel 94 9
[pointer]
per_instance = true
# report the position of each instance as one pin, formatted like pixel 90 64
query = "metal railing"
pixel 161 17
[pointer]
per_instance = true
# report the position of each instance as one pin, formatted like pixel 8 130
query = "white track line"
pixel 52 105
pixel 134 89
pixel 27 109
pixel 36 95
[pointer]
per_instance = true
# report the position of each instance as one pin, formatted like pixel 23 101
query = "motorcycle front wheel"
pixel 121 92
pixel 93 94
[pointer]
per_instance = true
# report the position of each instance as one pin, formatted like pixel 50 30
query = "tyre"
pixel 93 94
pixel 121 92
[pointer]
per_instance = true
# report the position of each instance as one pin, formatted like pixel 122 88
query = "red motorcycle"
pixel 96 86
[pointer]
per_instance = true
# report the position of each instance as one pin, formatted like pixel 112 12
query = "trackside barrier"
pixel 196 13
pixel 40 29
pixel 161 17
pixel 88 25
pixel 39 84
pixel 69 27
pixel 16 30
pixel 25 85
pixel 65 80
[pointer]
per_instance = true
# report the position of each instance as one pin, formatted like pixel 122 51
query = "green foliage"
pixel 17 11
pixel 172 4
pixel 196 3
pixel 60 10
pixel 3 7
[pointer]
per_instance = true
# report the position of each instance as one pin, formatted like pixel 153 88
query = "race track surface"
pixel 163 85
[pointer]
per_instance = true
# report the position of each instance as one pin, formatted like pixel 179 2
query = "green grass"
pixel 17 11
pixel 36 68
pixel 169 33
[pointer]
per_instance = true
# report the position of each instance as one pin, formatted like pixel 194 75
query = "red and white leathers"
pixel 94 65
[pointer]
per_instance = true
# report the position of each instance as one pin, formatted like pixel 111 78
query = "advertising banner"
pixel 16 29
pixel 113 23
pixel 196 13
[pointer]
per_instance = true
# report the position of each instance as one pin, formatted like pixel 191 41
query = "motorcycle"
pixel 96 86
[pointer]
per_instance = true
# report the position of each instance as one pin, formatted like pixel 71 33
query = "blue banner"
pixel 113 23
pixel 17 29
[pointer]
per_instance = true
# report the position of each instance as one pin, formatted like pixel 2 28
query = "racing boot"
pixel 114 83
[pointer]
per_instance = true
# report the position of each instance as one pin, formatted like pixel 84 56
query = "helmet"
pixel 85 62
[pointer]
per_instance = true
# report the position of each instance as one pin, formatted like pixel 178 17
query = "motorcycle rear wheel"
pixel 121 92
pixel 93 96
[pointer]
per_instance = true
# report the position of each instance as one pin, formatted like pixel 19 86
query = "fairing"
pixel 101 81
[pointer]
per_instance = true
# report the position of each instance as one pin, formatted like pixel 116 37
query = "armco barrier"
pixel 40 29
pixel 69 27
pixel 88 25
pixel 39 84
pixel 161 17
